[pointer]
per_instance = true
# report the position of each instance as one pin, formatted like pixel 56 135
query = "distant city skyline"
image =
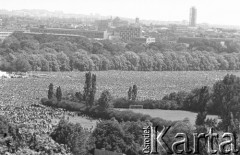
pixel 221 12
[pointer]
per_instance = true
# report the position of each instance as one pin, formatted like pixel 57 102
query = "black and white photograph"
pixel 119 77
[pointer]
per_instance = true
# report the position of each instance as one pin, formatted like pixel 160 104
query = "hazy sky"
pixel 226 12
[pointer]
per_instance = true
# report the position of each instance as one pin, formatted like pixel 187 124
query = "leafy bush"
pixel 71 135
pixel 125 137
pixel 105 99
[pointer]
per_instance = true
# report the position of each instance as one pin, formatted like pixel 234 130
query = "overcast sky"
pixel 225 12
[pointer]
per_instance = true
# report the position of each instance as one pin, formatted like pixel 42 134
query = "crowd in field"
pixel 39 119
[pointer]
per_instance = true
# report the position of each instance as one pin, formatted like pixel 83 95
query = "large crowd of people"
pixel 39 121
pixel 37 118
pixel 20 104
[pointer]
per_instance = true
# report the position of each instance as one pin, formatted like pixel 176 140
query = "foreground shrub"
pixel 71 135
pixel 123 137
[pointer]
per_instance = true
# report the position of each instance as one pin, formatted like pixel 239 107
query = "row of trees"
pixel 21 52
pixel 151 61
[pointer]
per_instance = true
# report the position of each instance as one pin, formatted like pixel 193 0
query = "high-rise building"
pixel 193 17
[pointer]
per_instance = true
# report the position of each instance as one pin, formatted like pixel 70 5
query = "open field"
pixel 154 85
pixel 171 115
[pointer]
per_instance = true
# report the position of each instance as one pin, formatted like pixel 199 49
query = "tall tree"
pixel 130 93
pixel 50 91
pixel 59 93
pixel 87 87
pixel 226 100
pixel 93 90
pixel 134 92
pixel 204 97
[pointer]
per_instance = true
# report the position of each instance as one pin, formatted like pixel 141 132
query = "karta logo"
pixel 153 139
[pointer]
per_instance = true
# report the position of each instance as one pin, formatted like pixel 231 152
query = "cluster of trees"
pixel 195 100
pixel 225 98
pixel 52 95
pixel 215 46
pixel 221 99
pixel 125 137
pixel 132 93
pixel 22 52
pixel 72 135
pixel 87 97
pixel 112 135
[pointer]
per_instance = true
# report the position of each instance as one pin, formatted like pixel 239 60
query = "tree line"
pixel 22 52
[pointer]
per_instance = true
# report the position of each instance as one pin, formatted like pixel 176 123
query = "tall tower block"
pixel 193 17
